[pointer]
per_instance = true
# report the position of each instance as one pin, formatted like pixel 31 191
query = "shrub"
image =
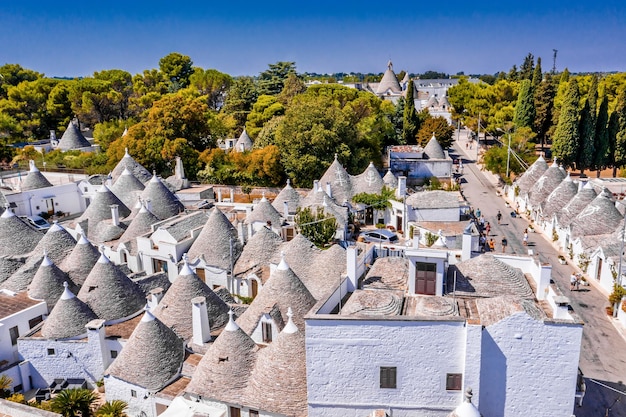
pixel 431 238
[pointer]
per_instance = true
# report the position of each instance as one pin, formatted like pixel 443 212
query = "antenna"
pixel 554 61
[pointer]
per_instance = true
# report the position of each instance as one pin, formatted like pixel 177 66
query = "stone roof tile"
pixel 133 166
pixel 80 261
pixel 163 203
pixel 73 138
pixel 68 317
pixel 47 284
pixel 16 237
pixel 532 174
pixel 291 196
pixel 369 181
pixel 214 242
pixel 34 179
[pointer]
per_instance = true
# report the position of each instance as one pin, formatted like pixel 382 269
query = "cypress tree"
pixel 538 74
pixel 564 76
pixel 544 104
pixel 566 137
pixel 586 132
pixel 527 69
pixel 601 155
pixel 525 107
pixel 620 134
pixel 612 129
pixel 410 123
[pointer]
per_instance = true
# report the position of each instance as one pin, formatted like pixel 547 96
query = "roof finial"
pixel 282 266
pixel 468 395
pixel 67 294
pixel 290 327
pixel 231 326
pixel 126 152
pixel 335 156
pixel 148 316
pixel 288 182
pixel 186 269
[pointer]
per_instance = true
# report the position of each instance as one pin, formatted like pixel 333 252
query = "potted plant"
pixel 562 260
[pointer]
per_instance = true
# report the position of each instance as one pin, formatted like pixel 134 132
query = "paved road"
pixel 603 354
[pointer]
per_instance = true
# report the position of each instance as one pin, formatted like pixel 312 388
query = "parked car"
pixel 36 222
pixel 379 235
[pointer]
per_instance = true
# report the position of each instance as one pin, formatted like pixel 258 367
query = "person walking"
pixel 478 213
pixel 504 243
pixel 573 281
pixel 525 238
pixel 487 229
pixel 499 216
pixel 492 245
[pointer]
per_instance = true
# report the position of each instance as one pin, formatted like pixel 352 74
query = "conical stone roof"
pixel 100 209
pixel 47 284
pixel 559 197
pixel 110 293
pixel 545 185
pixel 225 379
pixel 8 267
pixel 466 409
pixel 68 317
pixel 133 166
pixel 290 195
pixel 175 309
pixel 258 251
pixel 16 237
pixel 433 149
pixel 57 243
pixel 244 143
pixel 34 179
pixel 432 102
pixel 532 174
pixel 263 212
pixel 599 217
pixel 576 205
pixel 141 224
pixel 389 81
pixel 390 180
pixel 369 181
pixel 163 203
pixel 73 139
pixel 444 103
pixel 214 241
pixel 80 261
pixel 283 289
pixel 127 188
pixel 152 356
pixel 340 182
pixel 286 357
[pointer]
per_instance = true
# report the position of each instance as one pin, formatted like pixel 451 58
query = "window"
pixel 133 393
pixel 253 413
pixel 234 412
pixel 51 351
pixel 35 321
pixel 18 388
pixel 267 332
pixel 388 377
pixel 14 332
pixel 113 354
pixel 454 382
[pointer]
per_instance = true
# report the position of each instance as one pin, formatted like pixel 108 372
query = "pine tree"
pixel 513 75
pixel 538 74
pixel 525 107
pixel 410 122
pixel 601 155
pixel 566 137
pixel 527 69
pixel 544 104
pixel 564 76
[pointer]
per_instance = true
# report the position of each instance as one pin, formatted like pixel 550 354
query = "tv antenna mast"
pixel 554 61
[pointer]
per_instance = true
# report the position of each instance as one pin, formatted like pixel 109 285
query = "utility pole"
pixel 478 138
pixel 554 61
pixel 508 156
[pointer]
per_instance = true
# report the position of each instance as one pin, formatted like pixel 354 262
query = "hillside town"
pixel 423 283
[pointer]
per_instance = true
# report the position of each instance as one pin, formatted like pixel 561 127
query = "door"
pixel 425 278
pixel 50 206
pixel 369 216
pixel 599 273
pixel 254 288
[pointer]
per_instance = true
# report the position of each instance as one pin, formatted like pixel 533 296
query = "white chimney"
pixel 154 298
pixel 316 184
pixel 285 210
pixel 200 321
pixel 329 190
pixel 148 204
pixel 401 190
pixel 115 215
pixel 232 195
pixel 219 195
pixel 351 267
pixel 466 249
pixel 179 170
pixel 53 135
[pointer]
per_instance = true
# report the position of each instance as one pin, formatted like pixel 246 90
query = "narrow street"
pixel 603 354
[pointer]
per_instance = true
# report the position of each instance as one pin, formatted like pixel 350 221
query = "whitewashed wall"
pixel 67 198
pixel 20 319
pixel 344 359
pixel 529 368
pixel 116 389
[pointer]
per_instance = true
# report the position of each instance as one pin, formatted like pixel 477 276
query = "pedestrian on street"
pixel 499 216
pixel 487 228
pixel 504 243
pixel 525 239
pixel 573 281
pixel 478 212
pixel 481 221
pixel 492 245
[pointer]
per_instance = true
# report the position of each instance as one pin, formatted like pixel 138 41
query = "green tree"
pixel 544 104
pixel 397 119
pixel 115 408
pixel 120 91
pixel 620 130
pixel 265 108
pixel 601 138
pixel 74 403
pixel 177 68
pixel 239 100
pixel 292 87
pixel 410 124
pixel 513 74
pixel 272 80
pixel 566 136
pixel 212 84
pixel 440 128
pixel 59 105
pixel 5 386
pixel 522 143
pixel 13 74
pixel 317 226
pixel 537 74
pixel 94 100
pixel 380 201
pixel 527 68
pixel 106 132
pixel 525 107
pixel 613 129
pixel 586 131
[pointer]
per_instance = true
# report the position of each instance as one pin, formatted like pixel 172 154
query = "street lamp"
pixel 508 150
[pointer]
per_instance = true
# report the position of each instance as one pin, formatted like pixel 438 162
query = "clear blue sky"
pixel 71 38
